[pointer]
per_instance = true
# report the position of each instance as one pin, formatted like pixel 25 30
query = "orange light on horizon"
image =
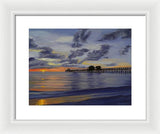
pixel 63 69
pixel 57 69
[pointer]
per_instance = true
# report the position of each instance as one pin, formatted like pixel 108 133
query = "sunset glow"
pixel 62 69
pixel 57 69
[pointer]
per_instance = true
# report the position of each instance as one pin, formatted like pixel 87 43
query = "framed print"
pixel 85 67
pixel 75 66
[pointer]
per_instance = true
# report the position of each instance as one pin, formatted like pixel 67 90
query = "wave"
pixel 124 90
pixel 113 100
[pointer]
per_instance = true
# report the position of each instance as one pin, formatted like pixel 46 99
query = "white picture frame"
pixel 145 7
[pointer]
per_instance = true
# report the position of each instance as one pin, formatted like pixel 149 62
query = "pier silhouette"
pixel 98 69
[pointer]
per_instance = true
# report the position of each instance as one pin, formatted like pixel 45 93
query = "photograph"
pixel 80 66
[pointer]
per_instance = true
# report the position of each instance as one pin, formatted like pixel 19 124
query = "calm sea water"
pixel 70 88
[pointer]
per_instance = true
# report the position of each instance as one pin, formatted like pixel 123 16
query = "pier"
pixel 103 70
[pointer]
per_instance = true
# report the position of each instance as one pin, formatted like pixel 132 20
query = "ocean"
pixel 77 88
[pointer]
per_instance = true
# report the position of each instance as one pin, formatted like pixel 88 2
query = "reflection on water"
pixel 59 100
pixel 77 88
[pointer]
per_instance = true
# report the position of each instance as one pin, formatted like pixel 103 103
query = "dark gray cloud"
pixel 73 61
pixel 47 53
pixel 32 43
pixel 34 63
pixel 80 37
pixel 121 33
pixel 84 34
pixel 31 59
pixel 125 50
pixel 70 63
pixel 97 54
pixel 111 64
pixel 76 44
pixel 78 52
pixel 68 60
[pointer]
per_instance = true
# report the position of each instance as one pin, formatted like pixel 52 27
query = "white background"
pixel 137 111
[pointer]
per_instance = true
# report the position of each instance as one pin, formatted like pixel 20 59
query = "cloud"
pixel 43 52
pixel 97 54
pixel 76 44
pixel 42 63
pixel 43 37
pixel 74 65
pixel 49 59
pixel 111 64
pixel 35 50
pixel 79 45
pixel 125 50
pixel 72 57
pixel 84 34
pixel 78 52
pixel 70 63
pixel 31 59
pixel 54 64
pixel 32 43
pixel 121 33
pixel 73 61
pixel 47 53
pixel 80 37
pixel 34 63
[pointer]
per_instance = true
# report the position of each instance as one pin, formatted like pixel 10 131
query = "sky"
pixel 51 48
